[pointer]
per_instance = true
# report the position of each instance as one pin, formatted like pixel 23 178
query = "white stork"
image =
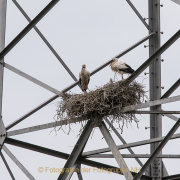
pixel 121 67
pixel 84 77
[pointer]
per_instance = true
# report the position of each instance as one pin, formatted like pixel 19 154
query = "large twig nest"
pixel 104 101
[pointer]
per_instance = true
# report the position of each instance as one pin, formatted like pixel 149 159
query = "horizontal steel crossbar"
pixel 150 103
pixel 44 126
pixel 169 156
pixel 65 156
pixel 134 144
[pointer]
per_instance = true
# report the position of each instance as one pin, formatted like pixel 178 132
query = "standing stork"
pixel 84 78
pixel 121 67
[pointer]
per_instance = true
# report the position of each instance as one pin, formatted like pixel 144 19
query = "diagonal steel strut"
pixel 138 14
pixel 45 41
pixel 77 151
pixel 28 28
pixel 123 141
pixel 30 78
pixel 25 171
pixel 158 150
pixel 7 166
pixel 117 155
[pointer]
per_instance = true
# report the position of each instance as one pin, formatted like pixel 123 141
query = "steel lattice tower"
pixel 154 167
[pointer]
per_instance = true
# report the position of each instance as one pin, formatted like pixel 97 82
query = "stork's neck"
pixel 113 66
pixel 83 70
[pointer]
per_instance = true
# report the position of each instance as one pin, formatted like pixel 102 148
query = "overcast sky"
pixel 87 32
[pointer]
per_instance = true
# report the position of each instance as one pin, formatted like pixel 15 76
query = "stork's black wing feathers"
pixel 127 70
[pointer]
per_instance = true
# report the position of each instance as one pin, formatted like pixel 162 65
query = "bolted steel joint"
pixel 145 73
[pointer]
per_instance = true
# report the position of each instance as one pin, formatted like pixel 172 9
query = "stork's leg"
pixel 122 76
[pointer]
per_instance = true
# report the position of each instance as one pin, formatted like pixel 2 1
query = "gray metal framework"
pixel 154 167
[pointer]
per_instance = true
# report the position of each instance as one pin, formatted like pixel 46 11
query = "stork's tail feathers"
pixel 130 70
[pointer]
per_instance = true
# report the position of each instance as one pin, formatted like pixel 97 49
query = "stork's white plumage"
pixel 121 67
pixel 84 78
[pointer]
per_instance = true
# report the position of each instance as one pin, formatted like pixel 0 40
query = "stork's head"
pixel 114 60
pixel 83 66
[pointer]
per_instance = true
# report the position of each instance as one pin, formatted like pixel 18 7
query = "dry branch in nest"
pixel 104 101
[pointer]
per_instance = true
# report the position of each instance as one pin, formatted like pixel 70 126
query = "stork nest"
pixel 105 101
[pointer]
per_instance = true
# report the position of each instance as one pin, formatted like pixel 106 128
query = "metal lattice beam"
pixel 171 89
pixel 153 57
pixel 137 13
pixel 175 177
pixel 46 42
pixel 156 112
pixel 64 156
pixel 15 160
pixel 169 156
pixel 28 28
pixel 150 103
pixel 77 150
pixel 134 144
pixel 117 155
pixel 74 158
pixel 122 140
pixel 7 166
pixel 158 149
pixel 44 126
pixel 3 6
pixel 79 172
pixel 32 79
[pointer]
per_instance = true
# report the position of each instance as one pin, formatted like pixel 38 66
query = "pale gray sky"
pixel 90 32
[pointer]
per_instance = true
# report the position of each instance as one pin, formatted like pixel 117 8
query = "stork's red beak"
pixel 111 63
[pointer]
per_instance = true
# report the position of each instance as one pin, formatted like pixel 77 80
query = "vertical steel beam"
pixel 155 83
pixel 77 151
pixel 3 5
pixel 158 151
pixel 2 133
pixel 117 155
pixel 25 171
pixel 7 166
